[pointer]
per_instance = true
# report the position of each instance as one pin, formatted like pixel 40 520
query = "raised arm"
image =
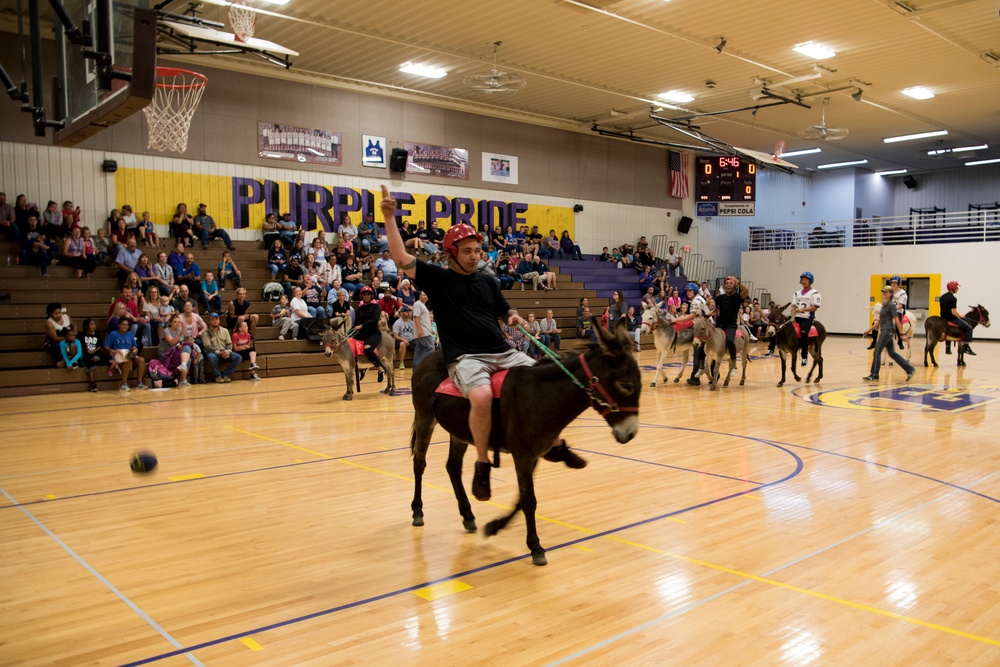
pixel 405 262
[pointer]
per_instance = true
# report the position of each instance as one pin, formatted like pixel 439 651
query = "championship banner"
pixel 242 203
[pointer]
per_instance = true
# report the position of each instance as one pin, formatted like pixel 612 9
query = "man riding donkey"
pixel 467 304
pixel 728 305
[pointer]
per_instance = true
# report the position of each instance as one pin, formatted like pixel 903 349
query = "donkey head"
pixel 653 317
pixel 616 371
pixel 333 335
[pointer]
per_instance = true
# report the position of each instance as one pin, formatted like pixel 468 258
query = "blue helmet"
pixel 691 286
pixel 895 279
pixel 806 274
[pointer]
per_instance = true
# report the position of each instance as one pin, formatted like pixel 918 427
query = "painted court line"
pixel 111 587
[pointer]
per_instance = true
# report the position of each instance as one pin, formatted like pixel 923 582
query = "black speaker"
pixel 684 225
pixel 909 182
pixel 577 208
pixel 397 159
pixel 109 166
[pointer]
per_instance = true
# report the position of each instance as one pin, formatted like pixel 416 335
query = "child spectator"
pixel 70 349
pixel 281 317
pixel 34 249
pixel 148 230
pixel 210 297
pixel 102 248
pixel 56 323
pixel 122 349
pixel 228 271
pixel 244 346
pixel 93 352
pixel 166 310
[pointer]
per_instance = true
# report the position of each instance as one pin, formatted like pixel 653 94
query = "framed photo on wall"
pixel 500 168
pixel 373 151
pixel 299 144
pixel 431 160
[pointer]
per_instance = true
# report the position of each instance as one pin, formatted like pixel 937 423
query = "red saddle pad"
pixel 798 332
pixel 448 387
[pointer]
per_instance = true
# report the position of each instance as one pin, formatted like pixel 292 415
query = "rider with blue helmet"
pixel 805 303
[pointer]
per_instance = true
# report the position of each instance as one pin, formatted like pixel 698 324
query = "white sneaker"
pixel 124 387
pixel 184 366
pixel 183 383
pixel 753 339
pixel 254 367
pixel 280 337
pixel 141 386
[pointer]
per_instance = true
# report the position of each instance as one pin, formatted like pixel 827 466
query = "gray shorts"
pixel 473 370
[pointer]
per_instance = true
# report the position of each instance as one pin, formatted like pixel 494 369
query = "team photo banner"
pixel 242 203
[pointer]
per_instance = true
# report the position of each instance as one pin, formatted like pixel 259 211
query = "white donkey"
pixel 657 321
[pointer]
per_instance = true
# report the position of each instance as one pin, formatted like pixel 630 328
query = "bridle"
pixel 600 399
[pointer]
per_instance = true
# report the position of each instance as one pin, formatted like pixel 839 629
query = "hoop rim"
pixel 200 80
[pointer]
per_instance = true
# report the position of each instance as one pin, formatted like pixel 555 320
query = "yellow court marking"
pixel 279 442
pixel 51 496
pixel 251 644
pixel 806 591
pixel 183 478
pixel 754 497
pixel 443 589
pixel 588 550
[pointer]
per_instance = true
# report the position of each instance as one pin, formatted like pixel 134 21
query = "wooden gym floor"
pixel 839 524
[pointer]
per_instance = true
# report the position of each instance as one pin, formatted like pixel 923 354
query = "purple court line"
pixel 382 596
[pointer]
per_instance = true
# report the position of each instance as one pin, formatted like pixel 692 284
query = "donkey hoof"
pixel 470 525
pixel 742 382
pixel 418 519
pixel 781 384
pixel 538 558
pixel 677 380
pixel 652 384
pixel 392 392
pixel 492 528
pixel 348 397
pixel 712 387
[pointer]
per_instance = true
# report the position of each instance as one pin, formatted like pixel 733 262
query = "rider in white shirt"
pixel 900 299
pixel 805 303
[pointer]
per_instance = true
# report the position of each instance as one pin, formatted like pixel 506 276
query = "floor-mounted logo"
pixel 896 398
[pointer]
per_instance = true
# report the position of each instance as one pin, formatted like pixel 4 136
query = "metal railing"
pixel 921 226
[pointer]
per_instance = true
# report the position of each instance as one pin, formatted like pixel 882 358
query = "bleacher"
pixel 25 368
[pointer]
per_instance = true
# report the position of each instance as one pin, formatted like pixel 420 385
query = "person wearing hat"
pixel 949 312
pixel 206 229
pixel 699 307
pixel 218 346
pixel 805 303
pixel 888 325
pixel 467 304
pixel 367 318
pixel 288 229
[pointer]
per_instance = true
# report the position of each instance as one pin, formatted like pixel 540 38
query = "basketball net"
pixel 169 115
pixel 242 18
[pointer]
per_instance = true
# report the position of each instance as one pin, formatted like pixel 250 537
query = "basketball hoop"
pixel 177 94
pixel 242 18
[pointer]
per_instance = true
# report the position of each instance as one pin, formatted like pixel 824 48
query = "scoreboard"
pixel 725 178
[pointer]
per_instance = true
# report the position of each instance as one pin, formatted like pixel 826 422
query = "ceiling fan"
pixel 822 132
pixel 495 81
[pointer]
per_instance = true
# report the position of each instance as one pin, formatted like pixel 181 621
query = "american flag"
pixel 678 175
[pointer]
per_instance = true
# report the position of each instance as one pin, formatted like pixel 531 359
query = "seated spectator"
pixel 378 281
pixel 126 259
pixel 52 219
pixel 505 271
pixel 646 279
pixel 435 235
pixel 295 276
pixel 329 273
pixel 423 334
pixel 189 273
pixel 510 241
pixel 584 303
pixel 388 267
pixel 406 294
pixel 271 230
pixel 673 301
pixel 56 322
pixel 102 248
pixel 210 296
pixel 313 296
pixel 94 354
pixel 238 308
pixel 70 348
pixel 370 237
pixel 206 229
pixel 194 326
pixel 35 248
pixel 151 313
pixel 403 332
pixel 183 226
pixel 218 345
pixel 8 221
pixel 121 347
pixel 70 219
pixel 526 273
pixel 300 312
pixel 585 326
pixel 298 251
pixel 176 350
pixel 165 309
pixel 534 328
pixel 116 230
pixel 567 247
pixel 288 229
pixel 497 242
pixel 182 296
pixel 281 319
pixel 388 304
pixel 515 337
pixel 318 250
pixel 439 260
pixel 660 281
pixel 144 272
pixel 649 297
pixel 163 274
pixel 620 259
pixel 277 260
pixel 550 332
pixel 605 255
pixel 634 326
pixel 643 256
pixel 339 306
pixel 132 227
pixel 23 209
pixel 148 231
pixel 673 262
pixel 244 346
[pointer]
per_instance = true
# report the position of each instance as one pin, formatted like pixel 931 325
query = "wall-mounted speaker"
pixel 577 208
pixel 684 225
pixel 109 166
pixel 909 182
pixel 397 159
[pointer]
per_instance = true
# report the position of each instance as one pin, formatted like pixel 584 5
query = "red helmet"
pixel 364 290
pixel 952 286
pixel 457 233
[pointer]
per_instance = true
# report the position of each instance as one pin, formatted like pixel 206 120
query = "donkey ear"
pixel 785 307
pixel 621 333
pixel 605 339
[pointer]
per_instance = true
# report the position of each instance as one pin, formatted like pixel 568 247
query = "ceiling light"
pixel 676 96
pixel 834 165
pixel 942 151
pixel 973 164
pixel 814 50
pixel 804 151
pixel 857 96
pixel 910 137
pixel 890 172
pixel 919 93
pixel 423 70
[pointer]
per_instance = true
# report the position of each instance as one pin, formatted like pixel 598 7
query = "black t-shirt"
pixel 948 301
pixel 729 306
pixel 294 273
pixel 339 309
pixel 366 320
pixel 466 309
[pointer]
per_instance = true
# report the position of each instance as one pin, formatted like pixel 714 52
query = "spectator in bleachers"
pixel 295 276
pixel 329 273
pixel 239 312
pixel 22 209
pixel 423 333
pixel 183 296
pixel 619 258
pixel 634 326
pixel 605 255
pixel 585 326
pixel 193 324
pixel 673 262
pixel 298 251
pixel 56 321
pixel 673 301
pixel 281 319
pixel 177 257
pixel 127 306
pixel 175 350
pixel 94 354
pixel 550 246
pixel 206 229
pixel 132 226
pixel 8 222
pixel 389 305
pixel 163 274
pixel 660 280
pixel 148 231
pixel 102 248
pixel 534 328
pixel 288 229
pixel 649 298
pixel 405 294
pixel 514 337
pixel 144 270
pixel 628 253
pixel 183 226
pixel 88 245
pixel 71 217
pixel 35 249
pixel 616 309
pixel 526 273
pixel 271 230
pixel 117 231
pixel 151 312
pixel 378 281
pixel 704 290
pixel 338 304
pixel 348 231
pixel 388 268
pixel 52 218
pixel 70 349
pixel 497 242
pixel 227 270
pixel 277 260
pixel 73 254
pixel 318 250
pixel 122 348
pixel 647 279
pixel 313 296
pixel 189 273
pixel 643 256
pixel 550 331
pixel 403 332
pixel 218 345
pixel 545 276
pixel 210 296
pixel 300 312
pixel 439 260
pixel 568 247
pixel 126 259
pixel 243 344
pixel 505 271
